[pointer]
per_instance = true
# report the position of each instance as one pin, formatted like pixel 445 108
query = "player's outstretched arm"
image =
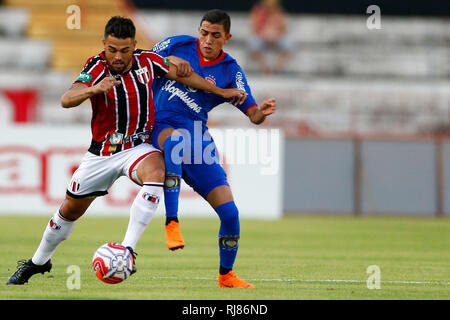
pixel 258 115
pixel 184 68
pixel 79 92
pixel 236 96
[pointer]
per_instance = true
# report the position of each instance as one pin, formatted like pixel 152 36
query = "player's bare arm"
pixel 237 96
pixel 258 115
pixel 184 68
pixel 79 92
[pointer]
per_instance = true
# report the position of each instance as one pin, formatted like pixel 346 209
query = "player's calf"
pixel 229 234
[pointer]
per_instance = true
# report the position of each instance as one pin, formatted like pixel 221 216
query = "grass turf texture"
pixel 296 258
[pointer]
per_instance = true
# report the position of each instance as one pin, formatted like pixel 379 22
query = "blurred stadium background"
pixel 365 114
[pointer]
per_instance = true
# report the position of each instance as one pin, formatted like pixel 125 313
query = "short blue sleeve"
pixel 165 47
pixel 239 81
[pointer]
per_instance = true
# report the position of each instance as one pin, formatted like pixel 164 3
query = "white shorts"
pixel 96 174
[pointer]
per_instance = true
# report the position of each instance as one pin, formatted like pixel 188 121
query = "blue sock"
pixel 173 154
pixel 229 233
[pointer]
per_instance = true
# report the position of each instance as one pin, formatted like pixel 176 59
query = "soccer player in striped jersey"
pixel 118 82
pixel 181 112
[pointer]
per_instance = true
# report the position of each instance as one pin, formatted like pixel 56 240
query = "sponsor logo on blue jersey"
pixel 161 46
pixel 240 81
pixel 183 95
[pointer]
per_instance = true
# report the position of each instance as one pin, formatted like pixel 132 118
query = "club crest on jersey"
pixel 143 75
pixel 211 79
pixel 54 225
pixel 151 197
pixel 75 185
pixel 116 138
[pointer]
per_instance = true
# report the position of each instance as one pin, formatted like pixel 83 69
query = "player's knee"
pixel 228 213
pixel 174 148
pixel 152 169
pixel 72 213
pixel 160 174
pixel 174 140
pixel 72 209
pixel 155 174
pixel 232 217
pixel 229 229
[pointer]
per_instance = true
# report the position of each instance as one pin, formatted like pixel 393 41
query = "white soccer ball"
pixel 112 263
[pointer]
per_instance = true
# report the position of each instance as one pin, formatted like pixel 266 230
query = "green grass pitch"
pixel 295 258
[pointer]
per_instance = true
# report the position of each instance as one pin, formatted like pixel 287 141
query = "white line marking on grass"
pixel 315 280
pixel 392 282
pixel 304 280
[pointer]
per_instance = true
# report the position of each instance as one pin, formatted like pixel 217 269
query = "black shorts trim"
pixel 82 196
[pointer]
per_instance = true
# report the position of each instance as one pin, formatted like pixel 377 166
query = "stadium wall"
pixel 374 176
pixel 389 7
pixel 270 175
pixel 37 163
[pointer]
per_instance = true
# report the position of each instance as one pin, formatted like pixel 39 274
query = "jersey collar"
pixel 134 64
pixel 203 62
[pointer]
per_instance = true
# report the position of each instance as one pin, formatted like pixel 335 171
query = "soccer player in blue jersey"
pixel 182 113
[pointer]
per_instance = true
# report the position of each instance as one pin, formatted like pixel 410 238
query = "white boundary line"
pixel 317 280
pixel 442 283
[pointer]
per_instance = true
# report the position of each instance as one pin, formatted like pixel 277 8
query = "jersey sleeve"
pixel 160 65
pixel 92 70
pixel 239 81
pixel 165 47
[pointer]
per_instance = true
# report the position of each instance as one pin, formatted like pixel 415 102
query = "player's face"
pixel 119 53
pixel 212 38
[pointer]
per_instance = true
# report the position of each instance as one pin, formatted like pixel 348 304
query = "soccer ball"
pixel 112 263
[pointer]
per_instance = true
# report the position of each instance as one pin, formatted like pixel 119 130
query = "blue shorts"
pixel 201 167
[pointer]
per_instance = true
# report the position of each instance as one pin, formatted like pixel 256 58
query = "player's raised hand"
pixel 105 85
pixel 268 106
pixel 236 96
pixel 184 68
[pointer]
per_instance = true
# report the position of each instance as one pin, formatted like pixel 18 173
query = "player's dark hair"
pixel 120 27
pixel 217 16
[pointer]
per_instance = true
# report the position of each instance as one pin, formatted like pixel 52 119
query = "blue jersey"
pixel 173 98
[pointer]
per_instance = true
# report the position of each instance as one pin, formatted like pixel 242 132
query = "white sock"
pixel 142 211
pixel 57 230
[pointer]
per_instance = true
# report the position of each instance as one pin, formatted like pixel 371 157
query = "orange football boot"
pixel 174 240
pixel 230 280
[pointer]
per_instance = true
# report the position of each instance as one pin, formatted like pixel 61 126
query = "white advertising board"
pixel 37 162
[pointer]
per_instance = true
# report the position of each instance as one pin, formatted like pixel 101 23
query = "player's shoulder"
pixel 174 41
pixel 234 71
pixel 145 56
pixel 231 63
pixel 229 59
pixel 140 54
pixel 97 61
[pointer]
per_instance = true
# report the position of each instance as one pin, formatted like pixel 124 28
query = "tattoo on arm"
pixel 76 86
pixel 78 96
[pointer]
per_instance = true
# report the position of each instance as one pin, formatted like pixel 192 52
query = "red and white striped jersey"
pixel 124 116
